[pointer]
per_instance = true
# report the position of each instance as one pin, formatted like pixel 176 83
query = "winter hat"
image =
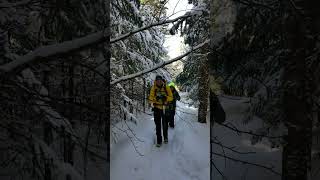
pixel 158 77
pixel 171 84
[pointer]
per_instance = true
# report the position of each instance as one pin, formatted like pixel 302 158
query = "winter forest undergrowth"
pixel 76 76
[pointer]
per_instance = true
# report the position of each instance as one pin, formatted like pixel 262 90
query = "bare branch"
pixel 229 148
pixel 214 165
pixel 130 137
pixel 271 169
pixel 248 132
pixel 132 132
pixel 174 9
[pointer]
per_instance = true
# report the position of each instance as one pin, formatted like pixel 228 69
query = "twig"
pixel 132 132
pixel 174 9
pixel 230 148
pixel 130 137
pixel 233 126
pixel 135 147
pixel 163 5
pixel 249 163
pixel 248 132
pixel 214 165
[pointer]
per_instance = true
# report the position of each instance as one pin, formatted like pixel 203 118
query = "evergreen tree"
pixel 270 56
pixel 54 112
pixel 136 53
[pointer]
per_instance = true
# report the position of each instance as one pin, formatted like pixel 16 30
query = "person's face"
pixel 159 82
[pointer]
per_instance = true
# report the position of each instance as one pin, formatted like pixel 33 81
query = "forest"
pixel 76 77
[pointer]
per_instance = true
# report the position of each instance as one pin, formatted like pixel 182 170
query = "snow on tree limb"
pixel 55 49
pixel 147 27
pixel 72 45
pixel 164 63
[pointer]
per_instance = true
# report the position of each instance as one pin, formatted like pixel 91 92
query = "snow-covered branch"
pixel 164 63
pixel 147 27
pixel 72 45
pixel 55 49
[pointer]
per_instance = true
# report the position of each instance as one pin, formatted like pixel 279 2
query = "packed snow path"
pixel 185 157
pixel 259 153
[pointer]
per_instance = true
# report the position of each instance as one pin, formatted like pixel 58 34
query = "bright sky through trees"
pixel 174 44
pixel 176 9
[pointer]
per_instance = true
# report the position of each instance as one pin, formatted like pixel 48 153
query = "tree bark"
pixel 203 94
pixel 298 25
pixel 144 95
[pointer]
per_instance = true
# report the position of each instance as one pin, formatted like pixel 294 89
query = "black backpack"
pixel 165 90
pixel 217 113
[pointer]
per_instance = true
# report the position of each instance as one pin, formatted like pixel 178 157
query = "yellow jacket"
pixel 156 91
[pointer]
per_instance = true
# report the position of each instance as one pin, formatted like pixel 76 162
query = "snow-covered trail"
pixel 185 157
pixel 264 155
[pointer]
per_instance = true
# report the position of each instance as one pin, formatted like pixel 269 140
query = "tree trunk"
pixel 144 95
pixel 298 89
pixel 107 56
pixel 47 131
pixel 203 89
pixel 132 96
pixel 69 146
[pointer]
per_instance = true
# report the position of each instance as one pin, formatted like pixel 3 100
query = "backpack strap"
pixel 165 89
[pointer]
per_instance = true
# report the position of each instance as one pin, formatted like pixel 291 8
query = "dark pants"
pixel 170 116
pixel 158 118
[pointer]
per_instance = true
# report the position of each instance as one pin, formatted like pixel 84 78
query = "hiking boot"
pixel 166 141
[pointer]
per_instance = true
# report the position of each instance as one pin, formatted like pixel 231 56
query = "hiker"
pixel 160 95
pixel 172 105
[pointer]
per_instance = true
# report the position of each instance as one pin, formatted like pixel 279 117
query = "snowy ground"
pixel 263 154
pixel 186 157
